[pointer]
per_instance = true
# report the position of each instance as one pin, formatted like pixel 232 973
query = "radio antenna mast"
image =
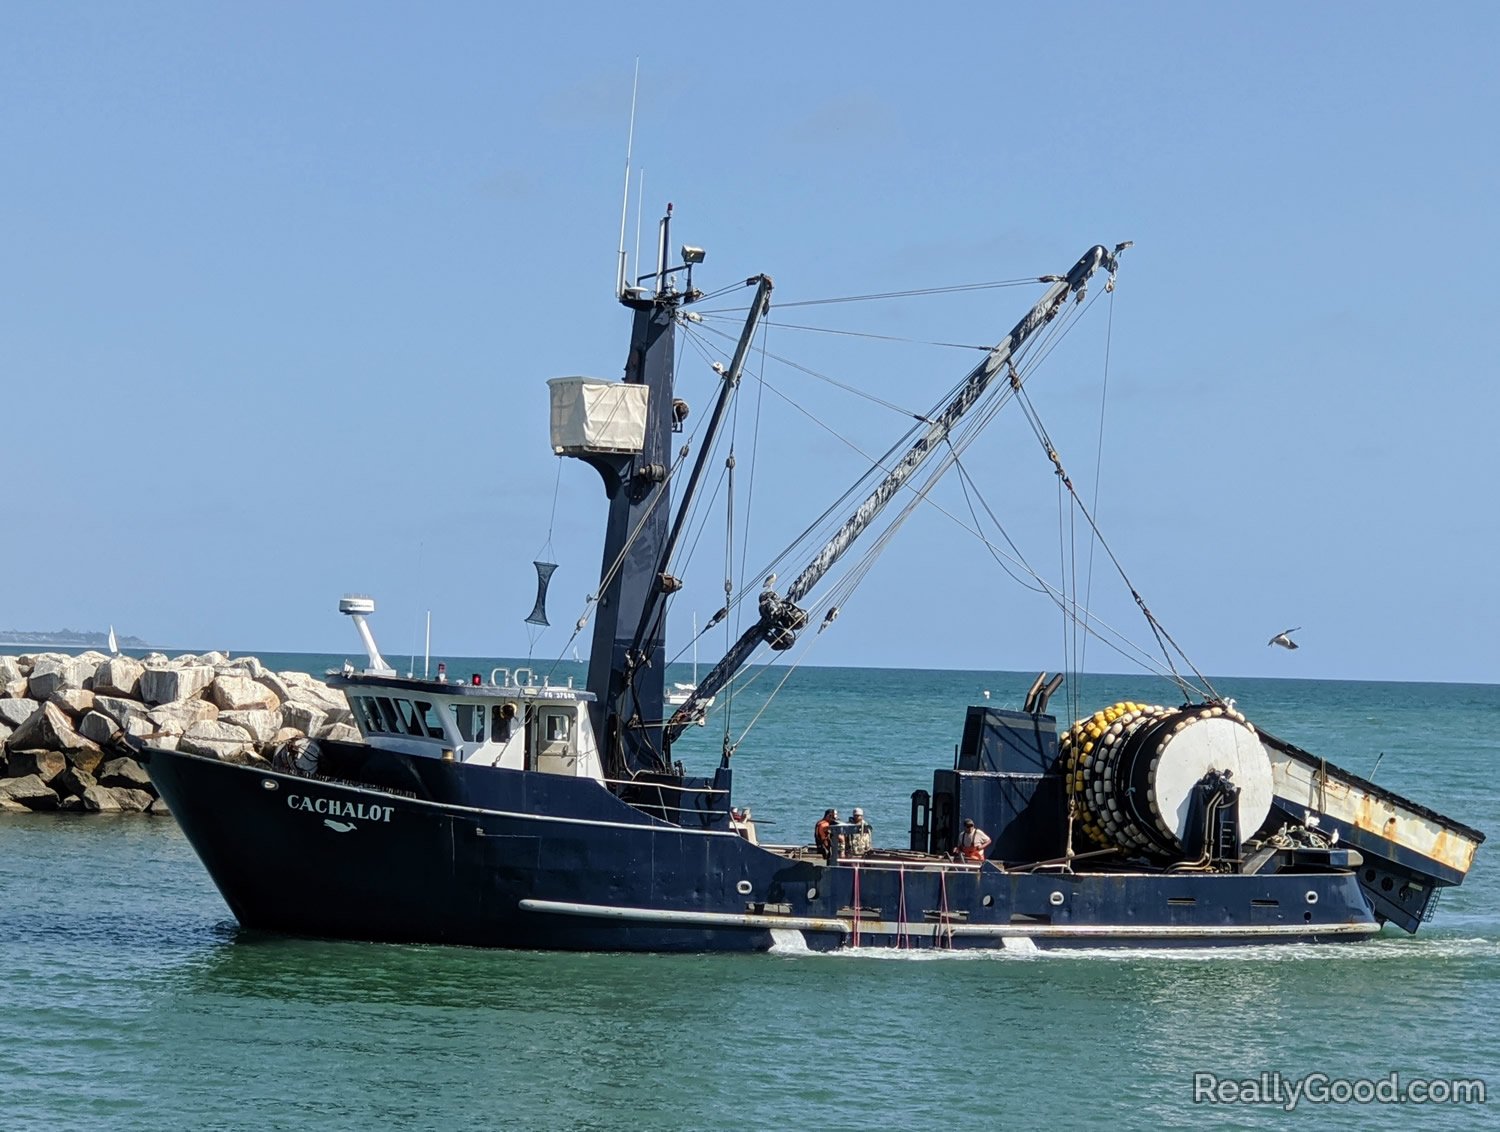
pixel 625 195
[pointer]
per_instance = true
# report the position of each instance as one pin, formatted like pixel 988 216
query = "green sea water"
pixel 129 998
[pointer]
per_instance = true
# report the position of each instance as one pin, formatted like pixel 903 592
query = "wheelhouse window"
pixel 557 728
pixel 410 723
pixel 368 715
pixel 430 719
pixel 470 719
pixel 502 722
pixel 388 715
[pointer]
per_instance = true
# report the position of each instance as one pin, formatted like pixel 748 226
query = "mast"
pixel 626 670
pixel 759 305
pixel 781 617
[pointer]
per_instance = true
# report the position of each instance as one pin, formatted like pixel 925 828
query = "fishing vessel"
pixel 513 810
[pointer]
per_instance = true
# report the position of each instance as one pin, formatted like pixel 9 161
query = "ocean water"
pixel 129 998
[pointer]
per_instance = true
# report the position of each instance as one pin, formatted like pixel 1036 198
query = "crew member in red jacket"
pixel 823 831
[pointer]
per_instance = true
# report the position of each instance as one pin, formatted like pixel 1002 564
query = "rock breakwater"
pixel 58 713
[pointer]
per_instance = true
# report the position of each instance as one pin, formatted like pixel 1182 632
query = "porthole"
pixel 1387 884
pixel 743 888
pixel 812 893
pixel 988 901
pixel 1312 897
pixel 1056 899
pixel 268 784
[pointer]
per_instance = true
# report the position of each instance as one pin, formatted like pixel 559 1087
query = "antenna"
pixel 663 241
pixel 640 210
pixel 625 195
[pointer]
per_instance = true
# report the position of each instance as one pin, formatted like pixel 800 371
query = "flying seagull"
pixel 1284 638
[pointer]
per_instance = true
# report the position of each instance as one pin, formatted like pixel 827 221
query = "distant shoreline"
pixel 128 643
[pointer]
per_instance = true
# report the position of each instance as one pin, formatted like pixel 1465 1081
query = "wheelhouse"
pixel 510 721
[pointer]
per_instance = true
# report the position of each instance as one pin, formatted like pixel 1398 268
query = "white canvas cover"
pixel 591 415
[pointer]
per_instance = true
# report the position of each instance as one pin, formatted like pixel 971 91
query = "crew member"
pixel 860 833
pixel 972 842
pixel 823 831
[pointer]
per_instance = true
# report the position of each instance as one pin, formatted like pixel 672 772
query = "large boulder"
pixel 158 809
pixel 12 679
pixel 168 685
pixel 73 782
pixel 87 761
pixel 341 733
pixel 175 718
pixel 52 673
pixel 45 765
pixel 119 709
pixel 124 772
pixel 240 693
pixel 277 683
pixel 243 666
pixel 49 730
pixel 97 727
pixel 100 800
pixel 305 689
pixel 74 702
pixel 306 718
pixel 190 659
pixel 30 792
pixel 15 711
pixel 216 739
pixel 132 801
pixel 262 725
pixel 119 676
pixel 140 727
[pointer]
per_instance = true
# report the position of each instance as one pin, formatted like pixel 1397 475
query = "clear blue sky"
pixel 282 284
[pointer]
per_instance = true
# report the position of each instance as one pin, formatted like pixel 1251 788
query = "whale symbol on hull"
pixel 340 826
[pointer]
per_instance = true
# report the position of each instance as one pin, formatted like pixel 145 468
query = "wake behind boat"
pixel 510 811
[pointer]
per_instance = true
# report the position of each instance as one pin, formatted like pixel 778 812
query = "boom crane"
pixel 782 617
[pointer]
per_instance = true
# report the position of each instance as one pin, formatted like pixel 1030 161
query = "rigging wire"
pixel 872 336
pixel 835 382
pixel 919 292
pixel 1109 331
pixel 1068 596
pixel 1082 620
pixel 1163 638
pixel 534 633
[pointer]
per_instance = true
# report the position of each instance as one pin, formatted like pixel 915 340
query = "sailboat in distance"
pixel 680 693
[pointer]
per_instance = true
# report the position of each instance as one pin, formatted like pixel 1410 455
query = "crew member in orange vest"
pixel 972 842
pixel 823 831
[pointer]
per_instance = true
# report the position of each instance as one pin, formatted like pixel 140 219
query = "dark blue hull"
pixel 495 858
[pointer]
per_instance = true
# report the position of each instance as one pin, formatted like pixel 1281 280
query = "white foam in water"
pixel 789 941
pixel 1023 947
